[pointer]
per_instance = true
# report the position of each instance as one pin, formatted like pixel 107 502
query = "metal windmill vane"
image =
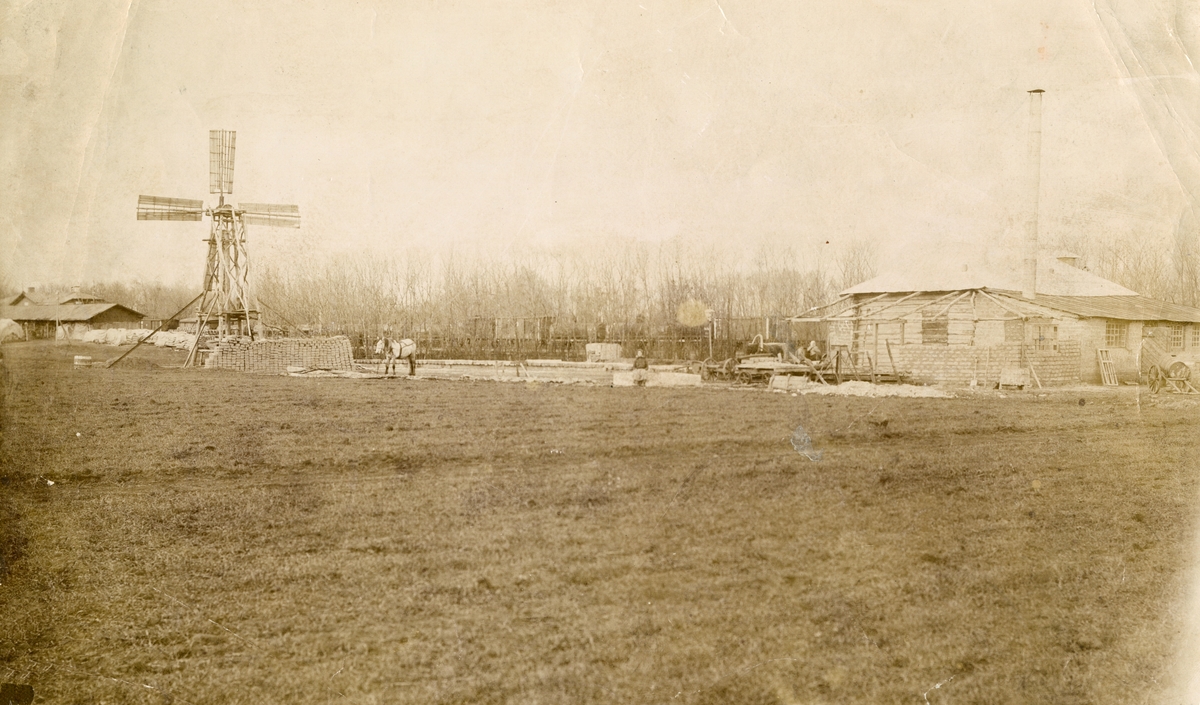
pixel 228 301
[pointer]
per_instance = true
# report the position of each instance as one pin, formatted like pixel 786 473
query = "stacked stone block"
pixel 274 356
pixel 959 364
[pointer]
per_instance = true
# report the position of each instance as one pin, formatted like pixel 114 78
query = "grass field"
pixel 222 538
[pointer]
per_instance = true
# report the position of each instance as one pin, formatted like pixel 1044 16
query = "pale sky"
pixel 524 124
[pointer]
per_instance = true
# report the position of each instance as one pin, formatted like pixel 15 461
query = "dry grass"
pixel 221 538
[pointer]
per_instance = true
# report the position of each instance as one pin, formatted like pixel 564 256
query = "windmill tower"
pixel 227 305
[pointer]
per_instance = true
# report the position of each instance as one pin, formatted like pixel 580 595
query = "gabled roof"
pixel 18 298
pixel 1054 277
pixel 69 313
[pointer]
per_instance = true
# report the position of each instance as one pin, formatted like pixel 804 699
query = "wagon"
pixel 712 369
pixel 1175 378
pixel 1167 371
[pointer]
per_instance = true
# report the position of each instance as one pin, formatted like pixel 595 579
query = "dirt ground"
pixel 190 536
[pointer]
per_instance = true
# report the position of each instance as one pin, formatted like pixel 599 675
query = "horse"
pixel 392 349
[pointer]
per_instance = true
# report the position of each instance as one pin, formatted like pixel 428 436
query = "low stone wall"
pixel 959 364
pixel 275 355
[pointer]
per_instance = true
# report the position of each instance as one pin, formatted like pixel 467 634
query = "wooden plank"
pixel 160 327
pixel 874 376
pixel 1029 362
pixel 1108 370
pixel 943 297
pixel 892 360
pixel 946 308
pixel 896 302
pixel 1005 306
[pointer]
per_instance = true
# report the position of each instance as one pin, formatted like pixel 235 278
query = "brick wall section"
pixel 959 364
pixel 274 356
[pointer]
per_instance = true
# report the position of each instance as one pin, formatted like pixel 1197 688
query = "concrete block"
pixel 603 352
pixel 659 379
pixel 787 382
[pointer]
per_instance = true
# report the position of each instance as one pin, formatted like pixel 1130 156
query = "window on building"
pixel 1195 335
pixel 1116 334
pixel 1045 337
pixel 1176 338
pixel 935 331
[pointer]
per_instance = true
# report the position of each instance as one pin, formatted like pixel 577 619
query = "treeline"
pixel 1169 272
pixel 653 285
pixel 620 282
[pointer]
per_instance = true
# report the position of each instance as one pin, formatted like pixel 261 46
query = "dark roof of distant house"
pixel 68 313
pixel 1122 308
pixel 81 296
pixel 14 299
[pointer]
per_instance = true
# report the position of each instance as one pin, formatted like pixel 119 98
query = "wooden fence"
pixel 546 338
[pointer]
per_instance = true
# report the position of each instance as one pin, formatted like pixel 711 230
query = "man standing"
pixel 641 370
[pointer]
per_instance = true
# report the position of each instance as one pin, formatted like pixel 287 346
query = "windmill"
pixel 227 302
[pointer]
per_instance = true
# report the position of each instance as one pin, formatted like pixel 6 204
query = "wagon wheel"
pixel 1179 371
pixel 1157 378
pixel 732 373
pixel 706 369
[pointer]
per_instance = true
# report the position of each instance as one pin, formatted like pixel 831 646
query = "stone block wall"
pixel 959 364
pixel 275 355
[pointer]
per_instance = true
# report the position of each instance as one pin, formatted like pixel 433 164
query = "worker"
pixel 813 351
pixel 641 369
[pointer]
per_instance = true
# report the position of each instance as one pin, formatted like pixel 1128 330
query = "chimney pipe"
pixel 1029 268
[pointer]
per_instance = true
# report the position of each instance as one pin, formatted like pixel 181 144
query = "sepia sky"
pixel 510 126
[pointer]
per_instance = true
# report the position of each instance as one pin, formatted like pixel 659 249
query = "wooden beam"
pixel 1003 305
pixel 874 375
pixel 160 327
pixel 843 316
pixel 801 318
pixel 900 319
pixel 935 301
pixel 946 308
pixel 897 302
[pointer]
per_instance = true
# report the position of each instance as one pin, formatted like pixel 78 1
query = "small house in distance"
pixel 964 324
pixel 76 314
pixel 80 297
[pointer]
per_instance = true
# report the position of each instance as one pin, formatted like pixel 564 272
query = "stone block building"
pixel 971 324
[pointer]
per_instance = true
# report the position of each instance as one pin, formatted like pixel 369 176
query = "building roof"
pixel 17 298
pixel 1054 277
pixel 80 297
pixel 69 313
pixel 1122 308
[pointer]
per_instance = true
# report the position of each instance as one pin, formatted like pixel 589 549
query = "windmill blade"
pixel 273 215
pixel 220 160
pixel 162 208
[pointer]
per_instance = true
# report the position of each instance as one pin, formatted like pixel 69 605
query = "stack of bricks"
pixel 1061 367
pixel 274 356
pixel 959 364
pixel 230 355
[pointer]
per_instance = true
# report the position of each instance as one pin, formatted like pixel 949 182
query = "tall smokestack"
pixel 1029 268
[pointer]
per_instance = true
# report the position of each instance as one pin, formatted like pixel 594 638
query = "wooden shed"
pixel 45 320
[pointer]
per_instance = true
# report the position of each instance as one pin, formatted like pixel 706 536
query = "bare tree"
pixel 856 263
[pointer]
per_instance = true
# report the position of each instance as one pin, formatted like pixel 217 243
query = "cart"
pixel 1175 378
pixel 1166 371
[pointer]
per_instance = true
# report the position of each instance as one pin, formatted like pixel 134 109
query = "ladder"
pixel 1108 371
